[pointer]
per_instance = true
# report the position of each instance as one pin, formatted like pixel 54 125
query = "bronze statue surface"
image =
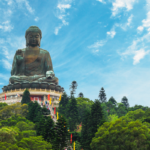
pixel 32 64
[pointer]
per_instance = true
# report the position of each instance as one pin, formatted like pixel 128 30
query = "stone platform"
pixel 33 85
pixel 39 95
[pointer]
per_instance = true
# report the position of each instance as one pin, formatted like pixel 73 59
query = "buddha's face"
pixel 33 39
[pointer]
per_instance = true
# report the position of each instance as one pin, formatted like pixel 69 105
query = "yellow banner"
pixel 50 101
pixel 74 146
pixel 60 98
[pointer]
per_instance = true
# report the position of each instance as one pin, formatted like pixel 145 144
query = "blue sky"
pixel 98 43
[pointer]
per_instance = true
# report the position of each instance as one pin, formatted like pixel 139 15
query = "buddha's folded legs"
pixel 14 79
pixel 39 78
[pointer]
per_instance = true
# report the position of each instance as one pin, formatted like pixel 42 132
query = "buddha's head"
pixel 33 36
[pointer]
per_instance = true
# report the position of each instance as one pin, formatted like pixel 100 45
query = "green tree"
pixel 40 126
pixel 112 118
pixel 121 110
pixel 97 118
pixel 85 132
pixel 81 95
pixel 23 126
pixel 82 104
pixel 122 135
pixel 35 112
pixel 26 97
pixel 77 145
pixel 111 107
pixel 14 109
pixel 114 102
pixel 137 107
pixel 138 114
pixel 9 146
pixel 8 134
pixel 63 105
pixel 13 120
pixel 48 130
pixel 73 87
pixel 76 136
pixel 102 96
pixel 34 143
pixel 91 124
pixel 73 115
pixel 2 105
pixel 61 134
pixel 125 102
pixel 28 133
pixel 105 110
pixel 45 111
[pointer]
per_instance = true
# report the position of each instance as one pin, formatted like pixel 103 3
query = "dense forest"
pixel 93 125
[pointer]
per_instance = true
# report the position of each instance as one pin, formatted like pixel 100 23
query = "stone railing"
pixel 32 91
pixel 11 100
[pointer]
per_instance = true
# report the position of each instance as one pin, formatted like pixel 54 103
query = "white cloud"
pixel 28 7
pixel 5 52
pixel 111 33
pixel 36 19
pixel 8 12
pixel 97 44
pixel 2 41
pixel 129 20
pixel 145 23
pixel 65 22
pixel 9 2
pixel 125 25
pixel 140 28
pixel 4 77
pixel 139 48
pixel 6 26
pixel 102 1
pixel 57 30
pixel 61 14
pixel 7 64
pixel 12 43
pixel 95 51
pixel 139 55
pixel 120 4
pixel 63 7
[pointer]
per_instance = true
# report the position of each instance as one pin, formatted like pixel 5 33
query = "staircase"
pixel 69 147
pixel 52 113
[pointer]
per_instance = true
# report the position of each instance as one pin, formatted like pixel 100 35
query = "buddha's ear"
pixel 27 42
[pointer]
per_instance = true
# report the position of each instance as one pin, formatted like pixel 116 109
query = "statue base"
pixel 39 95
pixel 37 85
pixel 38 91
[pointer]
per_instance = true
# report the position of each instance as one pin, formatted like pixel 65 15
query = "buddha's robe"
pixel 32 66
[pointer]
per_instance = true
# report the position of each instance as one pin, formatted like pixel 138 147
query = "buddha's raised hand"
pixel 19 56
pixel 19 52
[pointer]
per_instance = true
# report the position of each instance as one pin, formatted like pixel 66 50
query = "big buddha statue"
pixel 32 64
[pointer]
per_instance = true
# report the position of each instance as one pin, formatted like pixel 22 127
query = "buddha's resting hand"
pixel 19 56
pixel 50 74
